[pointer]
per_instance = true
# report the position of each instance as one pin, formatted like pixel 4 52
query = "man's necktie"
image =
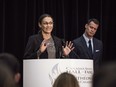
pixel 90 47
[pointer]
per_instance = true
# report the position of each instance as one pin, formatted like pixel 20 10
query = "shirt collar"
pixel 86 38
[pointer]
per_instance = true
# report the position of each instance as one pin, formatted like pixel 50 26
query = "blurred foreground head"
pixel 12 63
pixel 66 80
pixel 105 76
pixel 6 79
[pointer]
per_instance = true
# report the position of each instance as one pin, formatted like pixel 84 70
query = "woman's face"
pixel 46 25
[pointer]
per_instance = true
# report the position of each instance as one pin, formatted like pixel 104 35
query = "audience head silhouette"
pixel 105 76
pixel 6 75
pixel 66 80
pixel 12 63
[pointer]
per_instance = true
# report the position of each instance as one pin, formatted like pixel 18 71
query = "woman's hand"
pixel 43 46
pixel 68 48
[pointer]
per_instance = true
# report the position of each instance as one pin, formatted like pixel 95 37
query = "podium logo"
pixel 82 73
pixel 54 73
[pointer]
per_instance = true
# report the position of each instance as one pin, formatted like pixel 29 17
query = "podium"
pixel 43 72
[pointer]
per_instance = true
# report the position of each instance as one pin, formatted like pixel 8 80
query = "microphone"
pixel 77 56
pixel 63 42
pixel 74 53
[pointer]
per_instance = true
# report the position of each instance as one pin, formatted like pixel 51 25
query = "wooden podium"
pixel 43 72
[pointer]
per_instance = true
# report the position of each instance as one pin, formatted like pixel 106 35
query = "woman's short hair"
pixel 66 80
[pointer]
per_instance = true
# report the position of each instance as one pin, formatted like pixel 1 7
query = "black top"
pixel 34 43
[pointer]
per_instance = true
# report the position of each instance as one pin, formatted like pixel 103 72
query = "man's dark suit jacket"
pixel 34 43
pixel 81 50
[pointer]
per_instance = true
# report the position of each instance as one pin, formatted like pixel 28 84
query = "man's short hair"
pixel 11 61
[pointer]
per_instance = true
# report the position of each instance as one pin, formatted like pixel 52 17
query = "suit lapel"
pixel 94 47
pixel 39 39
pixel 85 47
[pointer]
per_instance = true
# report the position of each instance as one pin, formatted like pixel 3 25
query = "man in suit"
pixel 82 44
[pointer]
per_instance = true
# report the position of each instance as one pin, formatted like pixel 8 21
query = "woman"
pixel 66 80
pixel 45 45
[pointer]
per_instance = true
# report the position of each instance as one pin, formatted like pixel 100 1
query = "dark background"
pixel 18 20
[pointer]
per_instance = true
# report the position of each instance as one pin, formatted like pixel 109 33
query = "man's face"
pixel 47 25
pixel 91 29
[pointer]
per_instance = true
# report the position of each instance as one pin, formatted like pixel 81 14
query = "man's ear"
pixel 17 77
pixel 86 26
